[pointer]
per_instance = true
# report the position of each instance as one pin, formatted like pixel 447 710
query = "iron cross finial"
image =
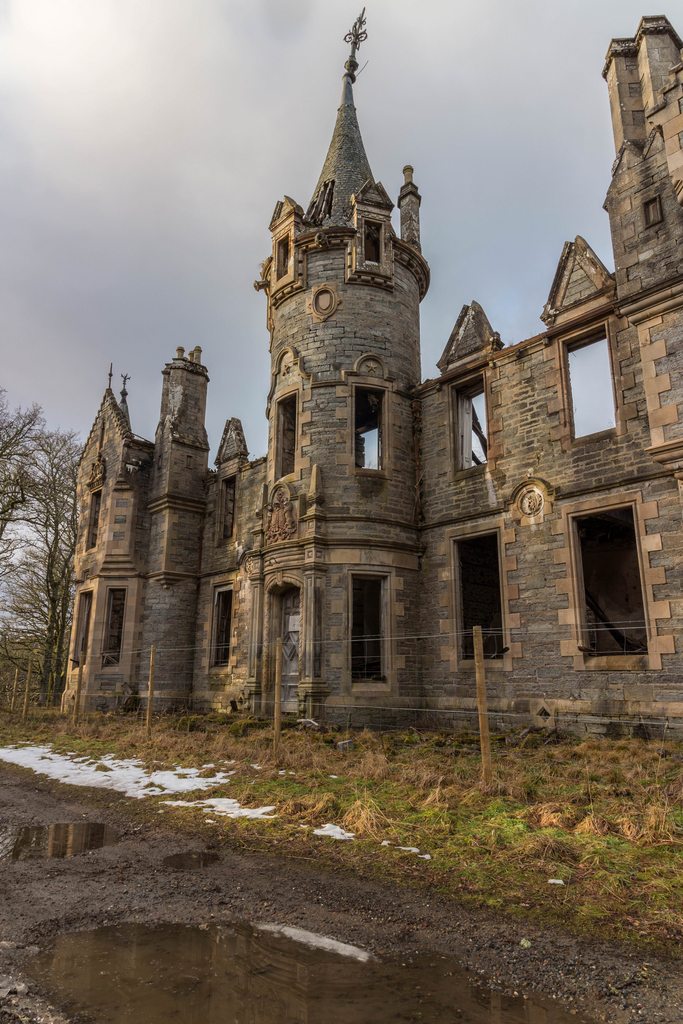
pixel 111 374
pixel 356 36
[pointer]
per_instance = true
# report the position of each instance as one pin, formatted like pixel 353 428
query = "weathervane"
pixel 356 36
pixel 125 377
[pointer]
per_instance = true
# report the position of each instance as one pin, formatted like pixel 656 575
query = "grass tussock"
pixel 605 816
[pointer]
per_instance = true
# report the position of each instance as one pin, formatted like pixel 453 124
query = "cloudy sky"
pixel 144 143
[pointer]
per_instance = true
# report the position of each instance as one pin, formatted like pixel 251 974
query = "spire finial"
pixel 125 377
pixel 356 36
pixel 111 374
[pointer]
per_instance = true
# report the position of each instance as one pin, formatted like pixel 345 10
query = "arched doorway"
pixel 290 629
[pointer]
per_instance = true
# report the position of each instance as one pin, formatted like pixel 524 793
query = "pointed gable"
pixel 373 193
pixel 120 421
pixel 580 277
pixel 233 444
pixel 471 335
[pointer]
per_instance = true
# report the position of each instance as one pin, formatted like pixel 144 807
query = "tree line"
pixel 38 526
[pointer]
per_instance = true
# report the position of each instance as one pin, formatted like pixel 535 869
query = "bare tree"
pixel 19 429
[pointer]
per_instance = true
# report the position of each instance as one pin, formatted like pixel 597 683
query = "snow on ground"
pixel 334 832
pixel 127 776
pixel 226 807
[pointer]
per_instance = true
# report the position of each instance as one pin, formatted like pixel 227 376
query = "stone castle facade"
pixel 390 514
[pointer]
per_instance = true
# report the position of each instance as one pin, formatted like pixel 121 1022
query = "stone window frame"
pixel 571 585
pixel 506 563
pixel 467 381
pixel 96 495
pixel 387 685
pixel 223 477
pixel 358 269
pixel 290 275
pixel 89 594
pixel 105 628
pixel 605 329
pixel 294 391
pixel 376 381
pixel 214 666
pixel 653 212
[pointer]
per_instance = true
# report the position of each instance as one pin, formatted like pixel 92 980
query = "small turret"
pixel 409 200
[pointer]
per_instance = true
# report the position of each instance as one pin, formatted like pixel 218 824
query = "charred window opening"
pixel 113 632
pixel 372 241
pixel 479 595
pixel 366 628
pixel 614 614
pixel 471 425
pixel 282 257
pixel 321 206
pixel 286 436
pixel 590 383
pixel 94 518
pixel 222 620
pixel 368 428
pixel 82 626
pixel 228 490
pixel 652 211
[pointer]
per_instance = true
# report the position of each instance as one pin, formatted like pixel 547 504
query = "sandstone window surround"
pixel 228 494
pixel 373 241
pixel 590 403
pixel 221 627
pixel 113 626
pixel 286 435
pixel 368 426
pixel 82 633
pixel 479 595
pixel 652 211
pixel 282 257
pixel 94 518
pixel 369 597
pixel 469 423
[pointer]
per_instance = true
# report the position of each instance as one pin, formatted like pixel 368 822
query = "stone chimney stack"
pixel 409 200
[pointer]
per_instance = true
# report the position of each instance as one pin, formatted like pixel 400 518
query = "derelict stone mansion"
pixel 390 514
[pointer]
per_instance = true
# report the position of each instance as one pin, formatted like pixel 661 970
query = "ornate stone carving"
pixel 252 565
pixel 98 472
pixel 281 519
pixel 324 302
pixel 531 501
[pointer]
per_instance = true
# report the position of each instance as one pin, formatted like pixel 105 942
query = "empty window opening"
pixel 368 428
pixel 471 425
pixel 372 241
pixel 590 385
pixel 282 257
pixel 113 631
pixel 321 206
pixel 613 612
pixel 479 595
pixel 652 211
pixel 82 626
pixel 228 490
pixel 94 519
pixel 222 620
pixel 366 628
pixel 286 436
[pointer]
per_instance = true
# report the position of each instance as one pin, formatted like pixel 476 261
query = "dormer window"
pixel 282 257
pixel 372 241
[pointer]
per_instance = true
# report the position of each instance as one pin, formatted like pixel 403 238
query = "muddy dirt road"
pixel 126 881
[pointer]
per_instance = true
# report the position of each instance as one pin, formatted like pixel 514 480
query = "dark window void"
pixel 113 630
pixel 222 617
pixel 372 241
pixel 590 383
pixel 614 614
pixel 366 628
pixel 82 626
pixel 94 518
pixel 286 436
pixel 282 257
pixel 479 596
pixel 228 489
pixel 368 428
pixel 471 425
pixel 652 211
pixel 321 206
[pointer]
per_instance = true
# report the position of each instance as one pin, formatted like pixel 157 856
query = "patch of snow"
pixel 127 776
pixel 410 849
pixel 555 881
pixel 333 776
pixel 226 807
pixel 334 832
pixel 424 856
pixel 256 767
pixel 317 941
pixel 385 842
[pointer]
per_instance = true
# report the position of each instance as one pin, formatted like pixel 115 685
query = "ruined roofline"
pixel 627 46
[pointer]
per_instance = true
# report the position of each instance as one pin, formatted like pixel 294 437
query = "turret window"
pixel 367 593
pixel 113 633
pixel 368 434
pixel 228 491
pixel 286 436
pixel 372 242
pixel 82 626
pixel 282 257
pixel 94 518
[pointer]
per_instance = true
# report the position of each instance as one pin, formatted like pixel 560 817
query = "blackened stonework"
pixel 390 512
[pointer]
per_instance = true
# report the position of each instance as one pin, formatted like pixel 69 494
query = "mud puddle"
pixel 141 974
pixel 25 842
pixel 191 861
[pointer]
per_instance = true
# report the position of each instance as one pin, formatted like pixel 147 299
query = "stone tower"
pixel 340 550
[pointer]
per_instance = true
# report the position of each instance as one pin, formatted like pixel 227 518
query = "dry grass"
pixel 366 819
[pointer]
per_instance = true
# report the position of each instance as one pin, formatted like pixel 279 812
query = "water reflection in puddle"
pixel 136 974
pixel 53 841
pixel 190 861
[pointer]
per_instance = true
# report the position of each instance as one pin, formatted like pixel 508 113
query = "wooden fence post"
pixel 482 707
pixel 79 686
pixel 150 691
pixel 14 689
pixel 27 686
pixel 277 697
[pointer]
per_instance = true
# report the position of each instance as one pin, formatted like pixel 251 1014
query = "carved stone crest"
pixel 98 472
pixel 281 519
pixel 531 501
pixel 252 565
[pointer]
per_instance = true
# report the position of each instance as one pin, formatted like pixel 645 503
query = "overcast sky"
pixel 144 143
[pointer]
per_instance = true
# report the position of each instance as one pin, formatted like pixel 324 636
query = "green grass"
pixel 604 816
